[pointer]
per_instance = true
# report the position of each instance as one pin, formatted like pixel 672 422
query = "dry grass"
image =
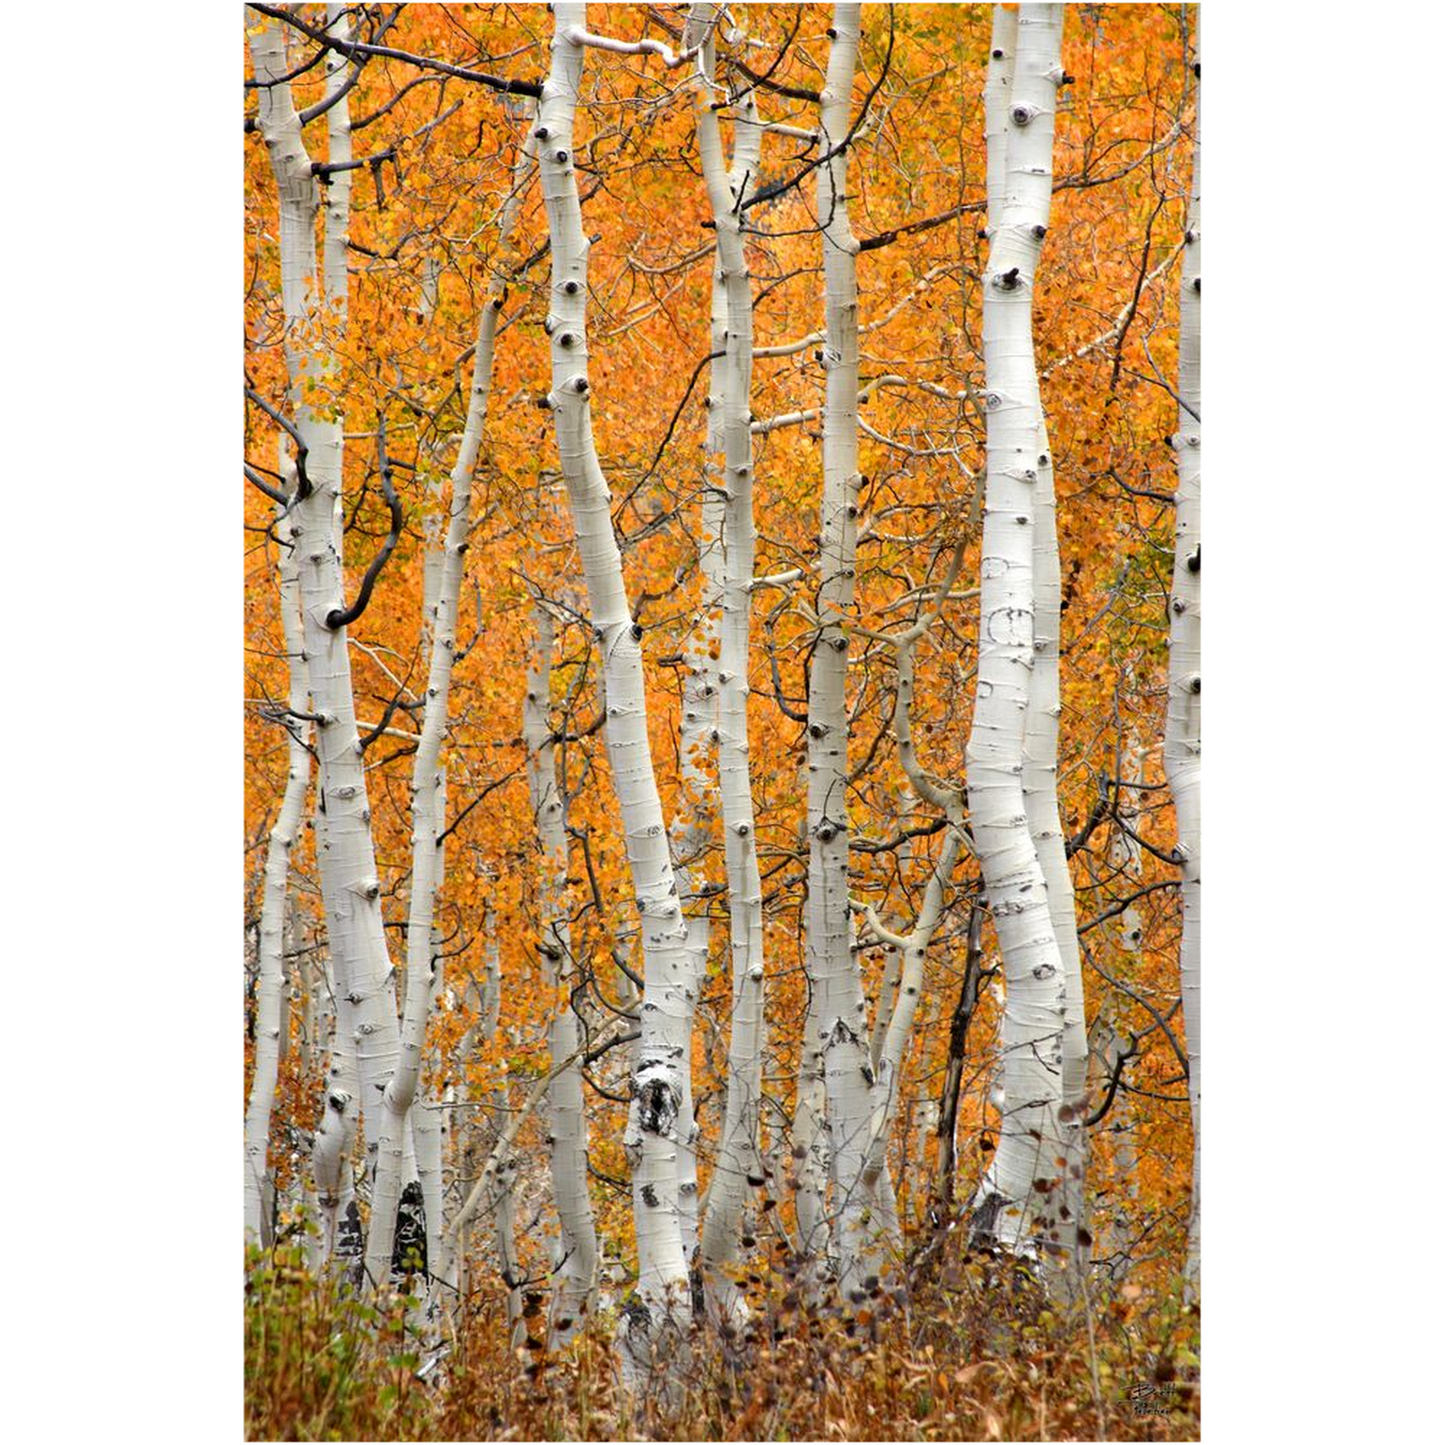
pixel 972 1355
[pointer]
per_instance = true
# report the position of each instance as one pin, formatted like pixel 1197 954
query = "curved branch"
pixel 1114 1078
pixel 303 482
pixel 340 617
pixel 257 480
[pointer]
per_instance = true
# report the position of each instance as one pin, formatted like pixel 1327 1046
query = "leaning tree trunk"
pixel 427 784
pixel 1182 722
pixel 575 1271
pixel 1020 127
pixel 346 859
pixel 273 906
pixel 663 1290
pixel 739 1166
pixel 903 980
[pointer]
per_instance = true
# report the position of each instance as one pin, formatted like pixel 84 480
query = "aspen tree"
pixel 840 1019
pixel 1064 1207
pixel 427 787
pixel 575 1269
pixel 351 890
pixel 1019 100
pixel 467 1136
pixel 1182 720
pixel 269 1015
pixel 739 1164
pixel 426 1122
pixel 691 826
pixel 693 822
pixel 1108 1049
pixel 663 1290
pixel 903 981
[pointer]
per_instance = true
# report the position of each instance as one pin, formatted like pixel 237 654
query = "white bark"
pixel 739 1165
pixel 338 190
pixel 692 824
pixel 903 981
pixel 346 859
pixel 575 1272
pixel 663 1289
pixel 1182 721
pixel 812 1164
pixel 1019 124
pixel 270 1016
pixel 427 785
pixel 912 950
pixel 504 1223
pixel 332 1146
pixel 833 973
pixel 1064 1207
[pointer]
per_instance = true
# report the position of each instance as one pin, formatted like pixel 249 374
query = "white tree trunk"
pixel 332 1146
pixel 427 784
pixel 1064 1206
pixel 338 189
pixel 504 1224
pixel 692 825
pixel 811 1163
pixel 345 856
pixel 430 1123
pixel 1106 1044
pixel 912 950
pixel 1182 721
pixel 903 981
pixel 833 973
pixel 739 1166
pixel 1019 124
pixel 663 1290
pixel 575 1272
pixel 269 1014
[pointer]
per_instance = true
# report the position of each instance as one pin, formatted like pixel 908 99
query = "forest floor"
pixel 970 1355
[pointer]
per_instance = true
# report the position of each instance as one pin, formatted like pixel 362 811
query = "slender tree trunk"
pixel 904 980
pixel 331 1151
pixel 345 856
pixel 663 1289
pixel 1019 108
pixel 912 949
pixel 504 1224
pixel 575 1272
pixel 1106 1044
pixel 1064 1208
pixel 338 189
pixel 812 1164
pixel 1182 722
pixel 269 1013
pixel 427 786
pixel 739 1165
pixel 963 1012
pixel 692 825
pixel 832 965
pixel 429 1122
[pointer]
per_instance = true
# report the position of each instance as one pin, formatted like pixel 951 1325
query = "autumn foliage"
pixel 963 1351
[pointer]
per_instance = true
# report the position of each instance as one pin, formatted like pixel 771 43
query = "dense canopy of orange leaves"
pixel 423 244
